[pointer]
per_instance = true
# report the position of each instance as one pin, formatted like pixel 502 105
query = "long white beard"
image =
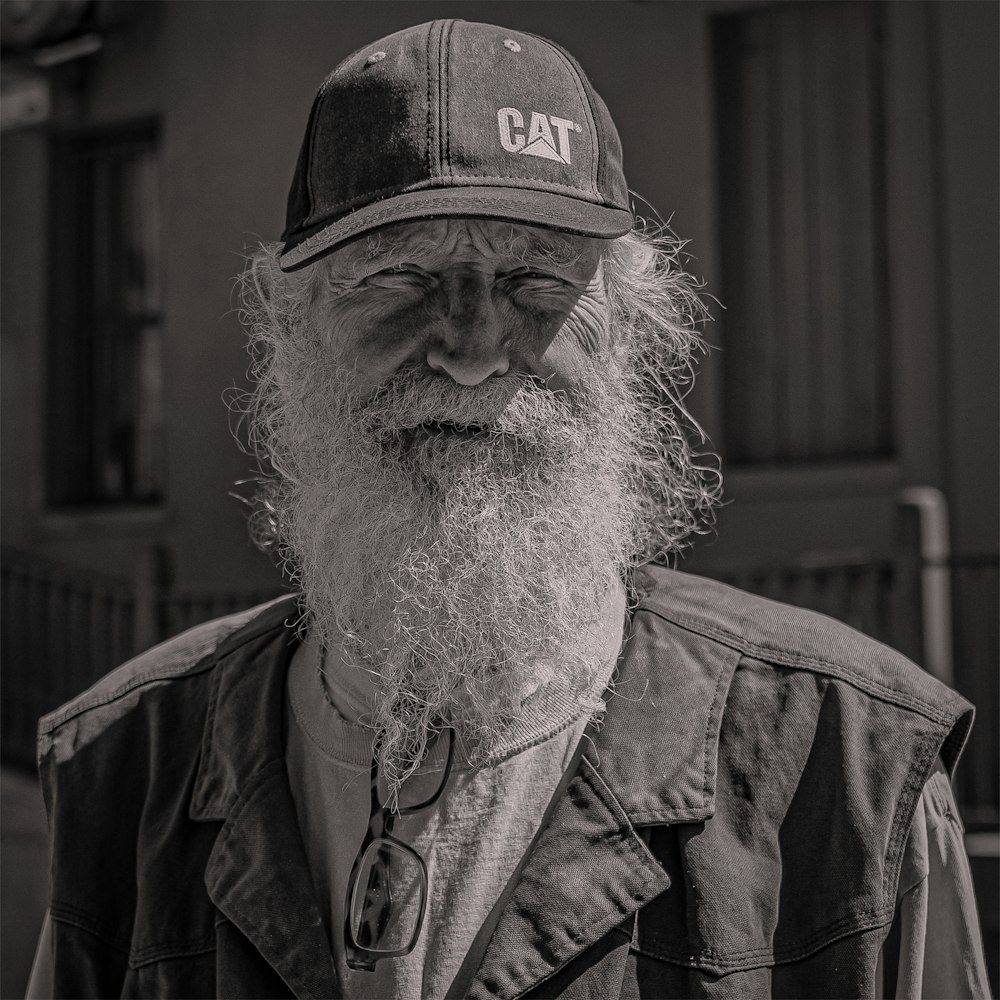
pixel 462 570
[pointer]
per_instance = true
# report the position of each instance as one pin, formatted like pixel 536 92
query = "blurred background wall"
pixel 834 167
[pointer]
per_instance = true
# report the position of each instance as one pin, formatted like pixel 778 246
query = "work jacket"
pixel 736 829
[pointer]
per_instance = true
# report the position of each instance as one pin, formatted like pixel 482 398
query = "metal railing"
pixel 864 594
pixel 63 628
pixel 177 612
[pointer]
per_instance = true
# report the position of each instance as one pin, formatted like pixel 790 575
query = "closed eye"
pixel 529 274
pixel 535 289
pixel 410 269
pixel 400 276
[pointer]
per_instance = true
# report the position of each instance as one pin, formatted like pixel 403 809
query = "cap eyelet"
pixel 375 57
pixel 509 43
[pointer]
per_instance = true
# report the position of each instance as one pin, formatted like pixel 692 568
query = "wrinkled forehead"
pixel 433 243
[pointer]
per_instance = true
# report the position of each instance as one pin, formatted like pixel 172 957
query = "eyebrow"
pixel 380 251
pixel 382 248
pixel 535 248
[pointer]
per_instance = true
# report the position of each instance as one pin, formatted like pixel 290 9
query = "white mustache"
pixel 516 405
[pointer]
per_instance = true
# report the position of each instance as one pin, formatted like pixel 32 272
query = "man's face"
pixel 468 299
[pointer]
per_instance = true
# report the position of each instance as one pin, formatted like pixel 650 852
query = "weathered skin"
pixel 470 298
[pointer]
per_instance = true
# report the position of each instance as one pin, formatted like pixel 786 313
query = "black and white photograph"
pixel 500 499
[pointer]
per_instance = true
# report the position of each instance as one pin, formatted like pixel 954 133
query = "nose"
pixel 469 346
pixel 465 369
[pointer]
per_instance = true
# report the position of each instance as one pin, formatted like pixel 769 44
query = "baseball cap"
pixel 454 118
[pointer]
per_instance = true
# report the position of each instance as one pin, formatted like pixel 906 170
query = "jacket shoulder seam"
pixel 902 820
pixel 181 665
pixel 803 661
pixel 49 723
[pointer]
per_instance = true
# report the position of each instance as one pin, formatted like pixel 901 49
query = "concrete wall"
pixel 233 82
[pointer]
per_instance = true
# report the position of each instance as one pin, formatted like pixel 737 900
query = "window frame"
pixel 71 238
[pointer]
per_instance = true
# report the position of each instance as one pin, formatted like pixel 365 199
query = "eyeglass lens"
pixel 388 899
pixel 387 895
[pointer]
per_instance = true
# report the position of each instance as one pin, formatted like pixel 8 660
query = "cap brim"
pixel 536 208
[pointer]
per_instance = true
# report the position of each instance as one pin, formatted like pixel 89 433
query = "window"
pixel 105 399
pixel 803 233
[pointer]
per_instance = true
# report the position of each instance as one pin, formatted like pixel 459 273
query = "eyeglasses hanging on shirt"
pixel 387 890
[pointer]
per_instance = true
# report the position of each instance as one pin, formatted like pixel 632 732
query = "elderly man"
pixel 493 750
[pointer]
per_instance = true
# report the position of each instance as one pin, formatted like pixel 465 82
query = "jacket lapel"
pixel 257 874
pixel 258 877
pixel 652 761
pixel 588 872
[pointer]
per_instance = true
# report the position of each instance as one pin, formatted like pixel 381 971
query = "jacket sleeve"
pixel 935 948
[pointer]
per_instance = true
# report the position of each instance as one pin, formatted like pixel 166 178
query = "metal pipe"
pixel 935 577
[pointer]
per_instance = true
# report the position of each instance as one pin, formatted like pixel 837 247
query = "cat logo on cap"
pixel 539 141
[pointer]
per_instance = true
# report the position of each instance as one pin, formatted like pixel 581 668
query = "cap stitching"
pixel 324 90
pixel 311 141
pixel 430 160
pixel 604 163
pixel 445 200
pixel 514 183
pixel 442 156
pixel 585 100
pixel 305 248
pixel 445 95
pixel 306 245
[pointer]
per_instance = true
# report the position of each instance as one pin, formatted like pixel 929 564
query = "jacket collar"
pixel 245 725
pixel 656 748
pixel 652 760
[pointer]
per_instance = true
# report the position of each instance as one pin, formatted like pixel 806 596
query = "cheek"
pixel 587 325
pixel 582 336
pixel 376 335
